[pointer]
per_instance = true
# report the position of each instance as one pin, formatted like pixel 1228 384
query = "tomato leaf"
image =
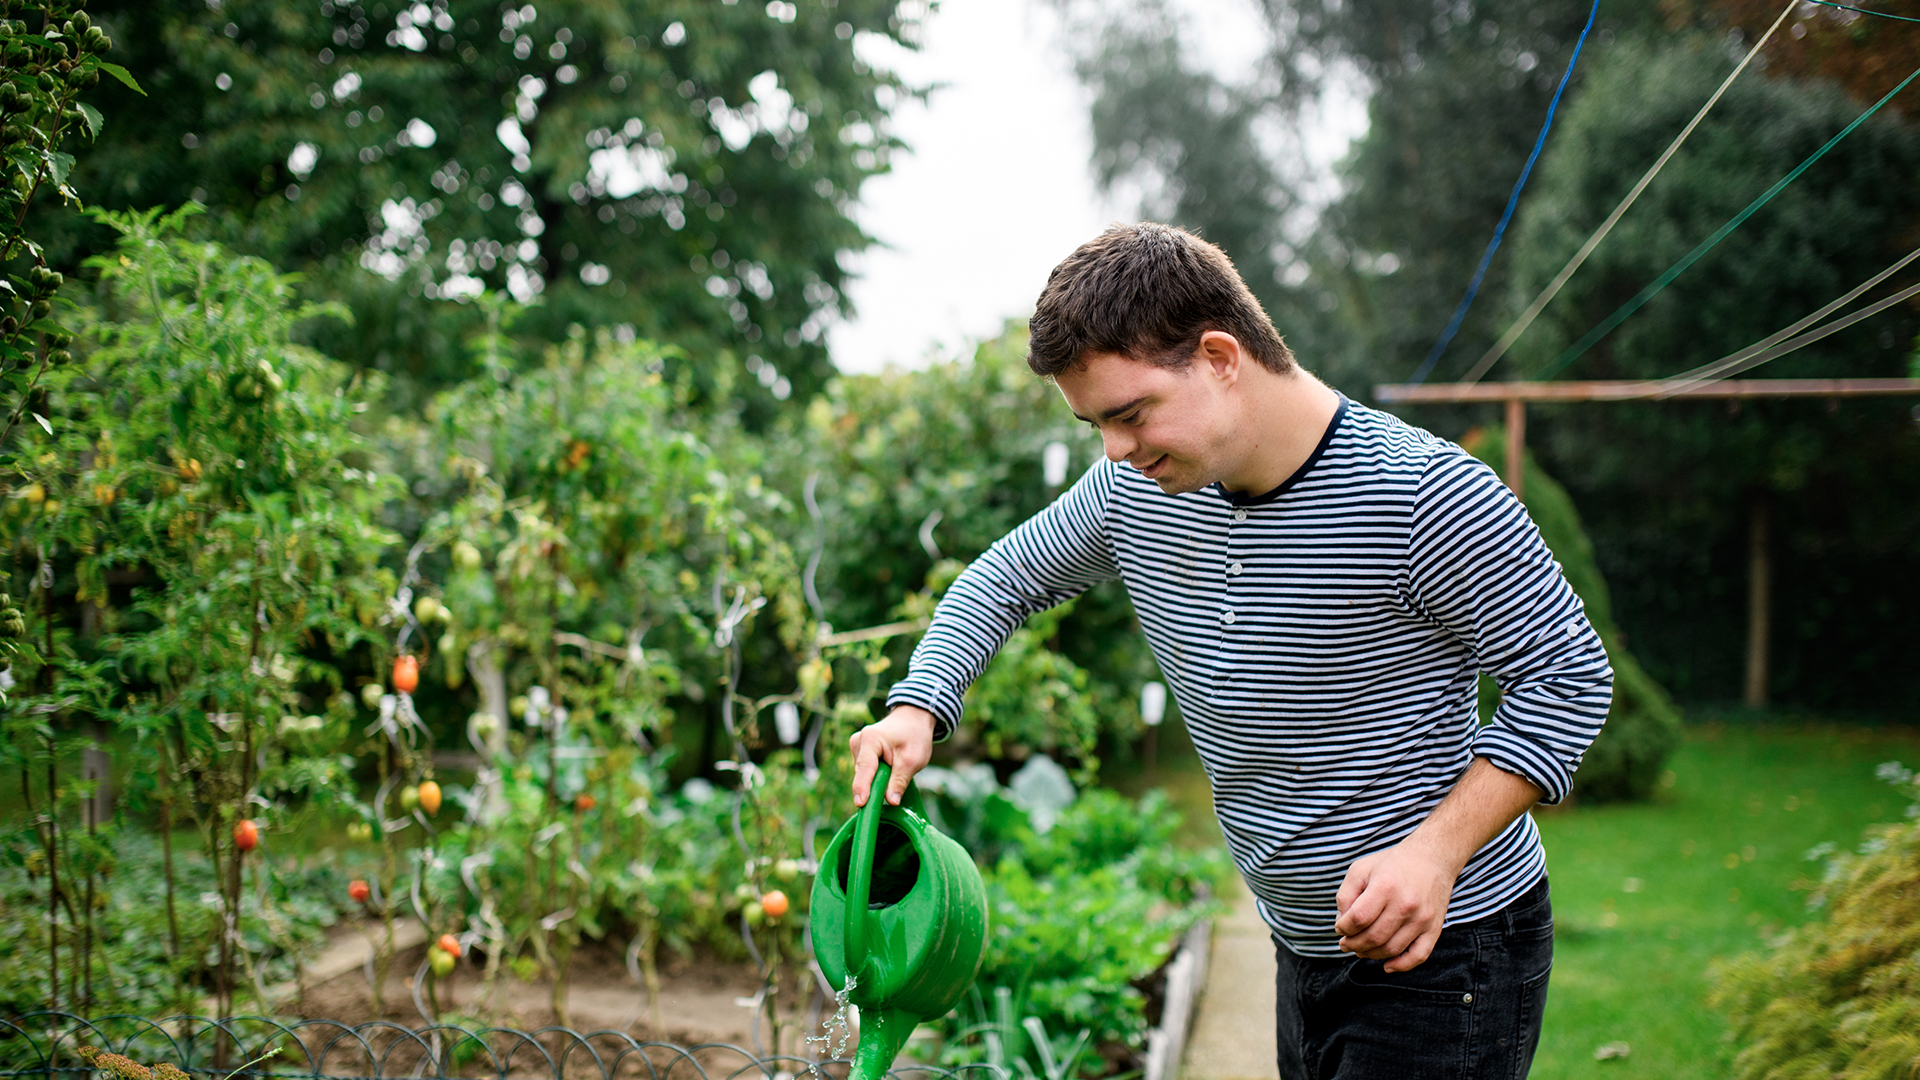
pixel 44 423
pixel 59 165
pixel 123 75
pixel 94 119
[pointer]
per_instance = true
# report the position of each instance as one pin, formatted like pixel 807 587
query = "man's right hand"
pixel 903 740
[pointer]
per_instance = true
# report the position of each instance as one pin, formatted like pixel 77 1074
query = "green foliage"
pixel 1083 914
pixel 1839 996
pixel 952 453
pixel 1191 139
pixel 1373 255
pixel 1669 488
pixel 1362 268
pixel 1647 895
pixel 200 548
pixel 687 169
pixel 50 56
pixel 283 591
pixel 284 913
pixel 1643 727
pixel 1034 698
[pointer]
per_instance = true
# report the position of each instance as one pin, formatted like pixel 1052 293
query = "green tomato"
pixel 441 961
pixel 465 555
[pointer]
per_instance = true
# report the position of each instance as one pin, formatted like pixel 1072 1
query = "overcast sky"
pixel 996 188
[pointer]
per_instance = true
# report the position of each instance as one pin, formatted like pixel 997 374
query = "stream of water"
pixel 835 1032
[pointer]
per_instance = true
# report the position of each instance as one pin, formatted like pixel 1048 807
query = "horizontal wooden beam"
pixel 1630 390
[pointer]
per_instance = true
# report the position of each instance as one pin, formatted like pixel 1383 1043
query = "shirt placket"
pixel 1231 618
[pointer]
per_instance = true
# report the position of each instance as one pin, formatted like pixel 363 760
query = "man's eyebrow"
pixel 1117 410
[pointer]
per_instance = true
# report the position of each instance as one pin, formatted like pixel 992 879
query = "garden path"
pixel 1233 1024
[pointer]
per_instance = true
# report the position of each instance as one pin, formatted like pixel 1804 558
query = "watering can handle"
pixel 866 838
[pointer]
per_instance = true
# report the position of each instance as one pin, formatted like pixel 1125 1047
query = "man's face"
pixel 1173 426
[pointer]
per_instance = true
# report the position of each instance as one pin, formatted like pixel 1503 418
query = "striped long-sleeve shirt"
pixel 1324 642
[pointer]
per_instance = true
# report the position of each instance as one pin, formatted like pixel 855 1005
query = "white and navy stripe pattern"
pixel 1324 642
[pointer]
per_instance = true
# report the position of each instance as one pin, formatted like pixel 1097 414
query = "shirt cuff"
pixel 1526 759
pixel 942 703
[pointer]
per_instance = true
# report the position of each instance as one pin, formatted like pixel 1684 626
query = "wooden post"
pixel 1759 600
pixel 1517 447
pixel 96 765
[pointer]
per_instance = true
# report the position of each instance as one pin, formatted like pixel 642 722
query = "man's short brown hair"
pixel 1147 292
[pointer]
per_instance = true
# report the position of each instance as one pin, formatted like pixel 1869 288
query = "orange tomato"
pixel 774 904
pixel 406 673
pixel 246 835
pixel 429 796
pixel 584 802
pixel 449 944
pixel 359 891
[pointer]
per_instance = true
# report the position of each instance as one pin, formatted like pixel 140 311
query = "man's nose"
pixel 1116 444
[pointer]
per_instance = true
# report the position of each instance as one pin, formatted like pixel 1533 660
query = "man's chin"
pixel 1175 483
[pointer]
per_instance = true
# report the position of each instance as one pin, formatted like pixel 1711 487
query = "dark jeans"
pixel 1472 1011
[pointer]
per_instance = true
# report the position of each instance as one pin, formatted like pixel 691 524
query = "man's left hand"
pixel 1392 905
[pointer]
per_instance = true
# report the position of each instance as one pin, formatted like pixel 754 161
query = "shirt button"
pixel 1466 999
pixel 1240 514
pixel 1233 569
pixel 1227 618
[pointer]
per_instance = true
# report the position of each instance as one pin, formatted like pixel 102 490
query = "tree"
pixel 1455 99
pixel 1361 281
pixel 1862 53
pixel 684 169
pixel 1669 488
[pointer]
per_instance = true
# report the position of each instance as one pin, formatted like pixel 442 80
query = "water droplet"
pixel 835 1033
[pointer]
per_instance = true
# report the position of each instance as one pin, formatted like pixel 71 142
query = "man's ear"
pixel 1222 355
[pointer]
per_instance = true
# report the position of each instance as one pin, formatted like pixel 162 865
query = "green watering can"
pixel 900 908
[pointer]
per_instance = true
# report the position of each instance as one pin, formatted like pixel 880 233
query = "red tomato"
pixel 584 802
pixel 406 673
pixel 246 835
pixel 359 890
pixel 449 944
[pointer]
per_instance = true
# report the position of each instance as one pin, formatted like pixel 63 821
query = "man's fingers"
pixel 866 761
pixel 1371 940
pixel 1416 954
pixel 1398 942
pixel 1361 913
pixel 1350 889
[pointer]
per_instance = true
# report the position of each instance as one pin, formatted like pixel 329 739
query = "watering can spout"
pixel 882 1033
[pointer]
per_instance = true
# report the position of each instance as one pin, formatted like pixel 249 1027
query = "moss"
pixel 1643 726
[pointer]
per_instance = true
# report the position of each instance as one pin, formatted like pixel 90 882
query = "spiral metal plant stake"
pixel 46 1045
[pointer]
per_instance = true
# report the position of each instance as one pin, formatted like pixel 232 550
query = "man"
pixel 1322 585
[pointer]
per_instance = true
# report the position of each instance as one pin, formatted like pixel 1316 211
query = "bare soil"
pixel 701 1000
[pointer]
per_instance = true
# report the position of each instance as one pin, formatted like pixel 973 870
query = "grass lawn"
pixel 1646 897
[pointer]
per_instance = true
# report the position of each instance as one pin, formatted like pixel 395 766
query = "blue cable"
pixel 1499 231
